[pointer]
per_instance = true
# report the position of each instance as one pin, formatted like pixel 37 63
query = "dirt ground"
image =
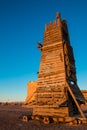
pixel 10 119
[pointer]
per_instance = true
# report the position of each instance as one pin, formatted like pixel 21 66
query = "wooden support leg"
pixel 81 112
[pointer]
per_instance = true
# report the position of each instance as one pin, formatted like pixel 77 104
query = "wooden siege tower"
pixel 57 92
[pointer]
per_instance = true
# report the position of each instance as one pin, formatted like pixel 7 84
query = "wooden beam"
pixel 76 102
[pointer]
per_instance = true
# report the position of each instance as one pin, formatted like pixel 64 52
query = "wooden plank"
pixel 49 111
pixel 74 98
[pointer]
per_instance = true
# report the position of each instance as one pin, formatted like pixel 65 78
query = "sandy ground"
pixel 10 119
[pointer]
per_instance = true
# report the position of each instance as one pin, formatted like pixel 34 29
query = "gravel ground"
pixel 10 120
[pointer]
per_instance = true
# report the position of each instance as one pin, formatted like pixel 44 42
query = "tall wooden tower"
pixel 57 91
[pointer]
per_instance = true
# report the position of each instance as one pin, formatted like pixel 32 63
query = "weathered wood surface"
pixel 57 67
pixel 84 92
pixel 51 111
pixel 75 100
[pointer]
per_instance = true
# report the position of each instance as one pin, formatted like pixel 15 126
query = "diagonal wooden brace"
pixel 76 102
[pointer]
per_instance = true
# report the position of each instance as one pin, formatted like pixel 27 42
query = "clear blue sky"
pixel 22 25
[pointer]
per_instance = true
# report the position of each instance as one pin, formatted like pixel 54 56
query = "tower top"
pixel 59 19
pixel 55 24
pixel 58 15
pixel 53 30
